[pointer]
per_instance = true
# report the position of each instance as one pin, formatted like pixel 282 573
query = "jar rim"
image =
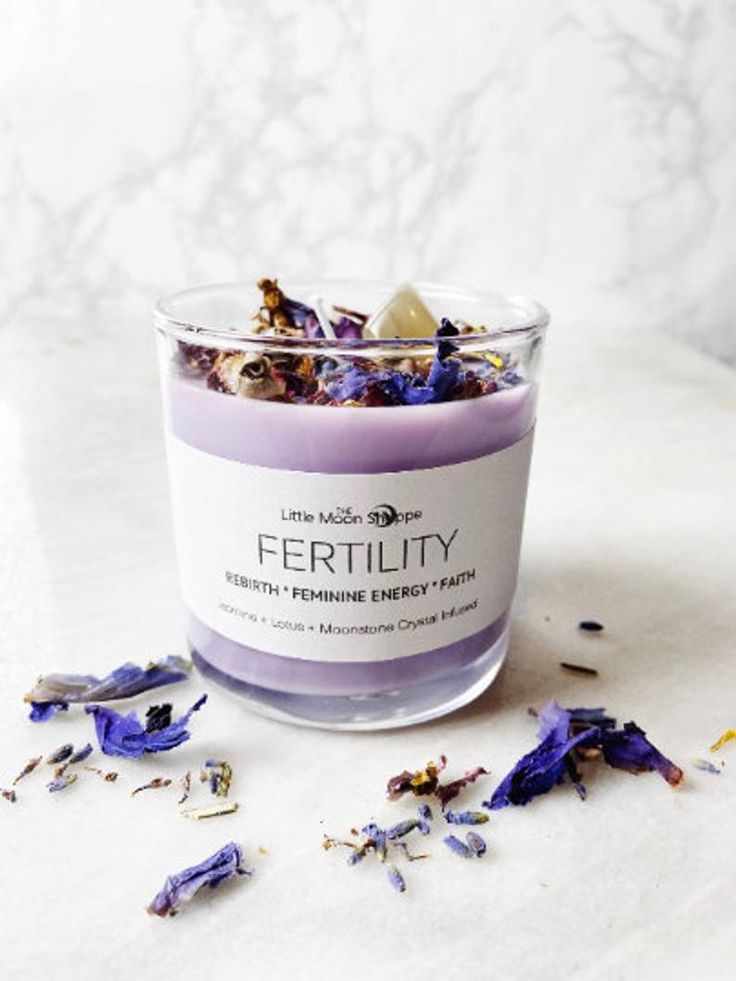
pixel 530 318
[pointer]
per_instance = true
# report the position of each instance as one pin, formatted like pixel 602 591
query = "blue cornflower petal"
pixel 124 735
pixel 629 749
pixel 43 711
pixel 182 886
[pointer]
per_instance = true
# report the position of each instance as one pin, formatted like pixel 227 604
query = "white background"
pixel 579 151
pixel 582 152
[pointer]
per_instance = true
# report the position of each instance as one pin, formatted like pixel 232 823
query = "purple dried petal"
pixel 123 735
pixel 54 692
pixel 629 749
pixel 466 817
pixel 449 791
pixel 545 766
pixel 476 843
pixel 421 783
pixel 182 886
pixel 298 312
pixel 43 711
pixel 458 847
pixel 395 878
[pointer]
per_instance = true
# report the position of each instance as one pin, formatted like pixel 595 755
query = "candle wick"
pixel 328 330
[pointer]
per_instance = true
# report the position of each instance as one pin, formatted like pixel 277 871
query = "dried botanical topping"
pixel 124 735
pixel 182 886
pixel 156 784
pixel 219 774
pixel 727 736
pixel 54 692
pixel 9 795
pixel 158 717
pixel 28 768
pixel 395 878
pixel 466 817
pixel 590 626
pixel 591 734
pixel 425 812
pixel 110 776
pixel 210 810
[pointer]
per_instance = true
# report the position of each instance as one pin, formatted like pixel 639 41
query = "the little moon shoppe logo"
pixel 384 515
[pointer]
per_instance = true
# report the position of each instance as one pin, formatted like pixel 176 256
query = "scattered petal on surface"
pixel 449 791
pixel 727 736
pixel 156 784
pixel 124 735
pixel 110 776
pixel 81 754
pixel 53 692
pixel 629 749
pixel 182 886
pixel 9 795
pixel 220 775
pixel 186 785
pixel 420 782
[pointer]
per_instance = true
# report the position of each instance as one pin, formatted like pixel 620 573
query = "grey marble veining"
pixel 581 152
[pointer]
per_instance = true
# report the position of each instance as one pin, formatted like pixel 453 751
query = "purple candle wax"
pixel 399 679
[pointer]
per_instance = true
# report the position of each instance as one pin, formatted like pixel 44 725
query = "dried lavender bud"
pixel 402 828
pixel 591 626
pixel 476 843
pixel 706 765
pixel 61 782
pixel 466 817
pixel 28 768
pixel 109 777
pixel 395 878
pixel 411 857
pixel 578 668
pixel 155 784
pixel 60 754
pixel 186 785
pixel 81 754
pixel 220 775
pixel 425 812
pixel 9 795
pixel 458 847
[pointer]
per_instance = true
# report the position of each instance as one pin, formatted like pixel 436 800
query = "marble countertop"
pixel 630 521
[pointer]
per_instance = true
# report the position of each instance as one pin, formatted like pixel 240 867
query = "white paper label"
pixel 348 567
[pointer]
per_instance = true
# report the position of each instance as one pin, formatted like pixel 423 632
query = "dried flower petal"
pixel 220 775
pixel 476 843
pixel 181 887
pixel 706 765
pixel 727 736
pixel 458 847
pixel 210 810
pixel 154 784
pixel 60 754
pixel 629 749
pixel 28 768
pixel 61 782
pixel 395 878
pixel 420 782
pixel 123 735
pixel 53 692
pixel 9 795
pixel 81 754
pixel 449 791
pixel 466 817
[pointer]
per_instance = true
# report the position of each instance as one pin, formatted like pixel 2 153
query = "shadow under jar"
pixel 348 512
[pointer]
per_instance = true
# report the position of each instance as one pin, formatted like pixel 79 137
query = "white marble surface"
pixel 630 520
pixel 578 151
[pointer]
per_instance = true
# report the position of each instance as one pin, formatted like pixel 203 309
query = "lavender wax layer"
pixel 344 440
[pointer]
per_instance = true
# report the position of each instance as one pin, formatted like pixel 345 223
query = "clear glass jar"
pixel 347 516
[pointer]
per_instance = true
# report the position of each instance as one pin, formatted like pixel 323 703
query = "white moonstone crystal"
pixel 403 315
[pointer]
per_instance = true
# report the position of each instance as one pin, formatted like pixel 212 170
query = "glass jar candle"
pixel 348 485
